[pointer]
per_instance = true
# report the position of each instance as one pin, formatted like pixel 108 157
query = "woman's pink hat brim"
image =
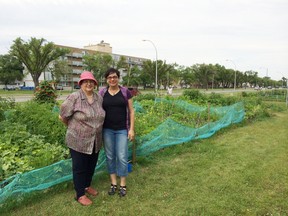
pixel 87 75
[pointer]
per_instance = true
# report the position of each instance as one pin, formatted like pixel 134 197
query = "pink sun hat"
pixel 87 75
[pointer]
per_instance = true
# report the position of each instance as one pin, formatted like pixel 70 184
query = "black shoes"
pixel 122 191
pixel 112 190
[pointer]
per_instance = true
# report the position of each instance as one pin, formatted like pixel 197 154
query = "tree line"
pixel 38 55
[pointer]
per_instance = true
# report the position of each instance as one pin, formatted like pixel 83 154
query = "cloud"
pixel 253 33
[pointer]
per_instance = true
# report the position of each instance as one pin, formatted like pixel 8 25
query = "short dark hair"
pixel 111 71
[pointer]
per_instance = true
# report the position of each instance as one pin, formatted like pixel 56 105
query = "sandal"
pixel 84 200
pixel 91 191
pixel 122 191
pixel 112 190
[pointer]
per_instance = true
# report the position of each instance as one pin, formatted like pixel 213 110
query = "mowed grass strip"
pixel 242 170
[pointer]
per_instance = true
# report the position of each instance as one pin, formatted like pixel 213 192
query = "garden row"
pixel 31 136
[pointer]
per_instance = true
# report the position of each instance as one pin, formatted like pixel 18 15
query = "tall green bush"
pixel 22 151
pixel 193 94
pixel 5 105
pixel 45 93
pixel 141 97
pixel 40 119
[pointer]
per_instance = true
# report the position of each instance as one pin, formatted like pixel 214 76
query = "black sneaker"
pixel 112 190
pixel 122 191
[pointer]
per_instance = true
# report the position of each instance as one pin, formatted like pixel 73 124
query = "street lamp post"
pixel 234 73
pixel 286 92
pixel 156 73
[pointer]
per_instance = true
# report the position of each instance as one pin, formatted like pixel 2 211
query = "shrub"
pixel 40 119
pixel 22 151
pixel 193 94
pixel 45 93
pixel 5 105
pixel 216 99
pixel 141 97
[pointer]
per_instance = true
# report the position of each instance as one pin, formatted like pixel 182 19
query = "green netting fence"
pixel 166 134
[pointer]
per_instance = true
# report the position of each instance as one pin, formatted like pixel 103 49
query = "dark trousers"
pixel 83 167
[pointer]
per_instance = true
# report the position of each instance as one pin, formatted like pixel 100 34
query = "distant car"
pixel 27 88
pixel 59 87
pixel 257 88
pixel 269 87
pixel 134 91
pixel 9 88
pixel 76 87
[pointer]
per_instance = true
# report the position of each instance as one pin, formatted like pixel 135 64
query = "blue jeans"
pixel 116 149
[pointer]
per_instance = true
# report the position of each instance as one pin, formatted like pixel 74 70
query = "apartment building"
pixel 75 61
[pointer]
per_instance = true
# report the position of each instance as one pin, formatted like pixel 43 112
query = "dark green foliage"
pixel 157 112
pixel 276 107
pixel 22 151
pixel 36 54
pixel 11 69
pixel 5 105
pixel 244 94
pixel 39 119
pixel 273 95
pixel 32 135
pixel 193 94
pixel 227 101
pixel 141 97
pixel 45 93
pixel 221 100
pixel 254 109
pixel 216 99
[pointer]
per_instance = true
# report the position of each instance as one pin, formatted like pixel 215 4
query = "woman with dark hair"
pixel 118 128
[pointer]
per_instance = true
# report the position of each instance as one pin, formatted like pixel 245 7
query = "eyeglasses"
pixel 112 77
pixel 88 81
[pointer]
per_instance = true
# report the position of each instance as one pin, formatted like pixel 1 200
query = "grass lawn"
pixel 242 170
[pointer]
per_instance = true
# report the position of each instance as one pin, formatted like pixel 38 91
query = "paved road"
pixel 23 98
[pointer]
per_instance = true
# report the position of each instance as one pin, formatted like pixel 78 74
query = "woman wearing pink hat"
pixel 83 114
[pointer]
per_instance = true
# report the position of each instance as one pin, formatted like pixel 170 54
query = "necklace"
pixel 114 91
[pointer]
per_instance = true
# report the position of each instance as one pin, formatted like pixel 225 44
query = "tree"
pixel 164 73
pixel 98 63
pixel 11 69
pixel 149 72
pixel 204 74
pixel 252 78
pixel 147 75
pixel 133 77
pixel 187 76
pixel 284 82
pixel 122 63
pixel 58 69
pixel 36 54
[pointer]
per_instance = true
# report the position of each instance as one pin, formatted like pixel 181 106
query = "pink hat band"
pixel 87 75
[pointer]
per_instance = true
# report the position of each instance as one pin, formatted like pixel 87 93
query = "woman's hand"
pixel 131 135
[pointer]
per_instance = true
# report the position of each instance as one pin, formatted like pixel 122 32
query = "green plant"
pixel 40 119
pixel 45 93
pixel 148 96
pixel 22 151
pixel 193 94
pixel 5 105
pixel 240 171
pixel 159 111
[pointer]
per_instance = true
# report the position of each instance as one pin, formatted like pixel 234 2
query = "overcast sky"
pixel 252 34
